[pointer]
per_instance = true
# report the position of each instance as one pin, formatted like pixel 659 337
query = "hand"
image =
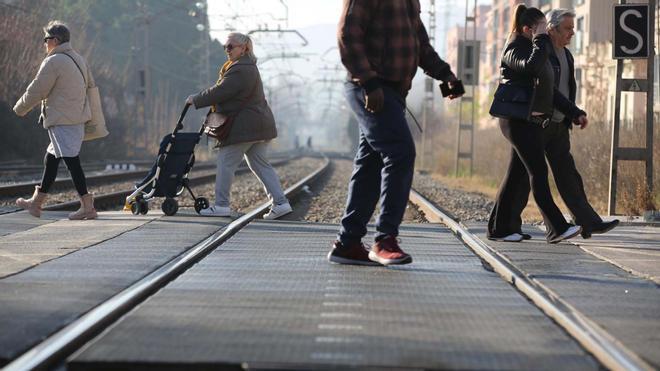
pixel 189 100
pixel 582 121
pixel 374 100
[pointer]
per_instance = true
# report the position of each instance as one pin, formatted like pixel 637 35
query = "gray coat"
pixel 253 123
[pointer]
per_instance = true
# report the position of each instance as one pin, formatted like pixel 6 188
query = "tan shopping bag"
pixel 95 128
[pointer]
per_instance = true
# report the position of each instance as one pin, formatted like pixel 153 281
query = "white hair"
pixel 556 16
pixel 243 39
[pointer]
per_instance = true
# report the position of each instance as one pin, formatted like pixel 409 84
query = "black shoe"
pixel 600 228
pixel 525 236
pixel 355 254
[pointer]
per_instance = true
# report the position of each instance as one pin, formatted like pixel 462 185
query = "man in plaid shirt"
pixel 381 43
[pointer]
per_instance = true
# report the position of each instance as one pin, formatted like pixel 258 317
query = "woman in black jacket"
pixel 525 64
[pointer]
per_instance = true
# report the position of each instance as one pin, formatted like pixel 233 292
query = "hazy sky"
pixel 302 13
pixel 317 64
pixel 305 13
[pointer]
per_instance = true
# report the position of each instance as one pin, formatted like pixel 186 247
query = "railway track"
pixel 114 199
pixel 55 348
pixel 23 188
pixel 24 169
pixel 595 340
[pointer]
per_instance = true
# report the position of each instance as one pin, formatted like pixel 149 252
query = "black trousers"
pixel 527 169
pixel 557 146
pixel 51 165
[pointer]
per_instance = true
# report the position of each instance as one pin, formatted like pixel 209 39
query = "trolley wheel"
pixel 201 203
pixel 144 207
pixel 170 206
pixel 135 208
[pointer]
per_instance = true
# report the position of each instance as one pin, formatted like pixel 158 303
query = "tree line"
pixel 118 39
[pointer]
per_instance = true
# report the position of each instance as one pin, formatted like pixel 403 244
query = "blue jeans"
pixel 383 167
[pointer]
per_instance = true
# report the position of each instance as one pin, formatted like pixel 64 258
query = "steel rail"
pixel 63 183
pixel 65 341
pixel 28 187
pixel 594 339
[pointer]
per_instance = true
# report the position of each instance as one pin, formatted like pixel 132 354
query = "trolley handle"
pixel 179 124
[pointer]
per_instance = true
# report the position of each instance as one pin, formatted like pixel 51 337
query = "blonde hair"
pixel 243 39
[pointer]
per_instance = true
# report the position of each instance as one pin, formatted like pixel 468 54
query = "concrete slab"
pixel 39 301
pixel 269 298
pixel 36 241
pixel 18 221
pixel 625 305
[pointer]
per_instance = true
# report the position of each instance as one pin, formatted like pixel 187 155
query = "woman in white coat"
pixel 61 88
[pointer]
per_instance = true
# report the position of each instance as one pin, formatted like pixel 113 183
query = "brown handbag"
pixel 218 125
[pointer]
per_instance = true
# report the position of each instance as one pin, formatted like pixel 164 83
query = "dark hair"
pixel 58 30
pixel 524 16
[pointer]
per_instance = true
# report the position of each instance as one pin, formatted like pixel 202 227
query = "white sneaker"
pixel 513 237
pixel 570 233
pixel 216 210
pixel 277 211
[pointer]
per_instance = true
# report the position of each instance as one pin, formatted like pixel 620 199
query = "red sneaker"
pixel 387 251
pixel 354 254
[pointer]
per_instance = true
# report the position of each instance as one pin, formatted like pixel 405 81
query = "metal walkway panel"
pixel 57 236
pixel 625 305
pixel 269 298
pixel 41 300
pixel 633 248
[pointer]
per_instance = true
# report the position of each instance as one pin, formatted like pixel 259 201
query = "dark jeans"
pixel 527 168
pixel 383 167
pixel 557 146
pixel 51 166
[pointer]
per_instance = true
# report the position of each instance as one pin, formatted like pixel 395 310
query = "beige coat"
pixel 61 89
pixel 253 123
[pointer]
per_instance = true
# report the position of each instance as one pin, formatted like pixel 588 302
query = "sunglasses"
pixel 48 38
pixel 230 47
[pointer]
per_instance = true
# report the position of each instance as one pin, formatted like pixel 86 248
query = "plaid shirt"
pixel 386 40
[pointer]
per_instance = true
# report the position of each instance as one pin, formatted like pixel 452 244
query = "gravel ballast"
pixel 466 206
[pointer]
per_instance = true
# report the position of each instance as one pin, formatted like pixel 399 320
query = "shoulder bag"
pixel 512 101
pixel 94 128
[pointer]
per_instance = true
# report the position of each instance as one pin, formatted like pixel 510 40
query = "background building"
pixel 592 48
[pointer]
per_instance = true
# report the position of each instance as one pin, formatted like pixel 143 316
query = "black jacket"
pixel 522 61
pixel 572 86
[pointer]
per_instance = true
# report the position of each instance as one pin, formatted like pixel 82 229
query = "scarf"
pixel 221 74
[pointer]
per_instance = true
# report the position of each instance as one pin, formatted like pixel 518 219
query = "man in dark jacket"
pixel 556 135
pixel 381 43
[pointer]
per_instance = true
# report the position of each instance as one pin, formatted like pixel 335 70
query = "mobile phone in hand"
pixel 457 89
